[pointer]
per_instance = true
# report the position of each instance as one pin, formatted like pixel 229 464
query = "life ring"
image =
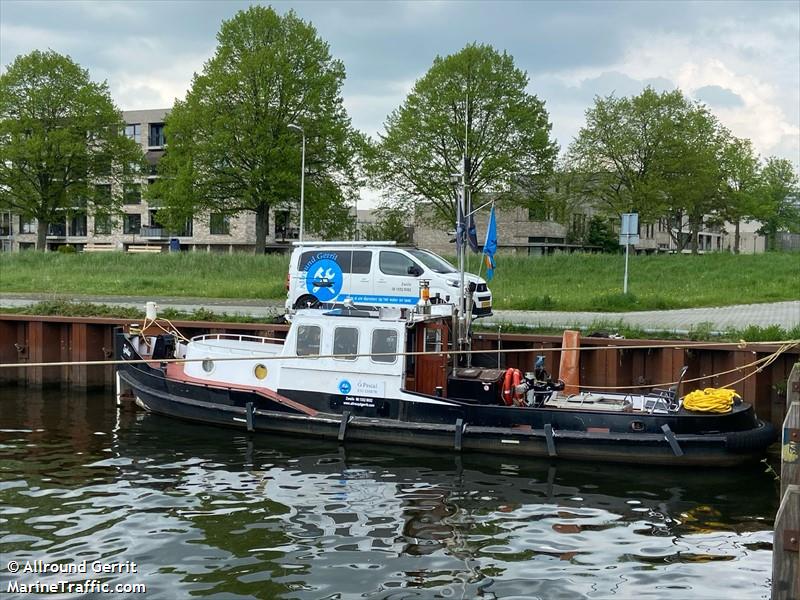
pixel 508 387
pixel 517 396
pixel 512 379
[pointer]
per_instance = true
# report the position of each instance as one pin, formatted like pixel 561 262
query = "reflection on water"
pixel 213 512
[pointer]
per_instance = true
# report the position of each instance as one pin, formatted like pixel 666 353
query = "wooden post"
pixel 786 547
pixel 790 435
pixel 786 538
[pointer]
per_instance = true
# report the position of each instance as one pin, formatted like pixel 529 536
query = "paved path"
pixel 783 314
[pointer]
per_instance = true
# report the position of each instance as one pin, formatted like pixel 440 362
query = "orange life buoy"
pixel 508 387
pixel 516 381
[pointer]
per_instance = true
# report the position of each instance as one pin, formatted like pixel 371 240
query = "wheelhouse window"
pixel 395 263
pixel 345 343
pixel 219 224
pixel 308 337
pixel 384 342
pixel 132 224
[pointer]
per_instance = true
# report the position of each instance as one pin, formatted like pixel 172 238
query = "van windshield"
pixel 435 263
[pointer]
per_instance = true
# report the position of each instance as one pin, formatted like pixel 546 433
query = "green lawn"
pixel 564 282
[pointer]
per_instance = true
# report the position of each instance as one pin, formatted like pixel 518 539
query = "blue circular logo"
pixel 344 386
pixel 324 279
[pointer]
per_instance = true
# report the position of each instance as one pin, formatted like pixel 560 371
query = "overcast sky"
pixel 741 58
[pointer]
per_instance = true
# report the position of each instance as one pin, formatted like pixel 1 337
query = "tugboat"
pixel 401 376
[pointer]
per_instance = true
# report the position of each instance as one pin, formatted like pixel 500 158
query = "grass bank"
pixel 565 282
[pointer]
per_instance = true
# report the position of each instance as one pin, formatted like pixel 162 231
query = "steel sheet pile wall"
pixel 33 339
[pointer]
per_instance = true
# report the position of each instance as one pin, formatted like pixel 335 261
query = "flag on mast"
pixel 490 247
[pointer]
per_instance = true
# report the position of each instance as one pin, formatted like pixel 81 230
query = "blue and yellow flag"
pixel 490 247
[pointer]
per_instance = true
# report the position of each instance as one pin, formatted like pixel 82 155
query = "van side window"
pixel 350 261
pixel 394 263
pixel 384 341
pixel 345 343
pixel 308 340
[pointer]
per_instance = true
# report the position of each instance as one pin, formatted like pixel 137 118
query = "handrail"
pixel 237 337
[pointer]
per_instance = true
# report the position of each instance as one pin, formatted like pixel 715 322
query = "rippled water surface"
pixel 213 512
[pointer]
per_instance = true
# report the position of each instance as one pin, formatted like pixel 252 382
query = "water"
pixel 211 512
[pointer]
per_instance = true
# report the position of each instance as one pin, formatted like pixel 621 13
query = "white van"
pixel 375 274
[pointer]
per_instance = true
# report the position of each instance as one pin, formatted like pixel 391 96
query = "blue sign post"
pixel 628 234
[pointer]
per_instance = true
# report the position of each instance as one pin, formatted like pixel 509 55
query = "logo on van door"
pixel 324 279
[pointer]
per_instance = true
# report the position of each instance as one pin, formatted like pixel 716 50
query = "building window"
pixel 102 195
pixel 540 211
pixel 384 342
pixel 220 224
pixel 283 226
pixel 77 226
pixel 102 165
pixel 102 224
pixel 132 224
pixel 187 229
pixel 345 343
pixel 5 224
pixel 579 223
pixel 58 228
pixel 132 193
pixel 27 225
pixel 157 139
pixel 308 340
pixel 134 132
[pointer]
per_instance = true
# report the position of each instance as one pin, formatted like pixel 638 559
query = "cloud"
pixel 573 51
pixel 718 96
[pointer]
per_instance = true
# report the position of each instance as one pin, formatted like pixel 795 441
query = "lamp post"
pixel 302 175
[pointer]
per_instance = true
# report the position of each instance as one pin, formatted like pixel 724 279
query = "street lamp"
pixel 302 175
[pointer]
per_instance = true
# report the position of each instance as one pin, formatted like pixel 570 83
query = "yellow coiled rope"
pixel 719 400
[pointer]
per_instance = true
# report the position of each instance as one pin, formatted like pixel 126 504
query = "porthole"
pixel 208 365
pixel 260 371
pixel 637 426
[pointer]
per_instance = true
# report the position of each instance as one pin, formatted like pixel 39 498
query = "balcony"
pixel 159 233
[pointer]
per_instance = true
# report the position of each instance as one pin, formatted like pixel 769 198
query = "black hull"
pixel 496 430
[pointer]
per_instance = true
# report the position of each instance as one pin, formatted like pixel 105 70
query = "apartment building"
pixel 532 230
pixel 137 226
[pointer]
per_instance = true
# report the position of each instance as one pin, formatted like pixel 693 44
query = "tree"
pixel 479 94
pixel 390 225
pixel 230 149
pixel 654 154
pixel 742 181
pixel 60 135
pixel 693 173
pixel 778 204
pixel 619 156
pixel 599 233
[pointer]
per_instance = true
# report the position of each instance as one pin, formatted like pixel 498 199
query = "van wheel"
pixel 306 301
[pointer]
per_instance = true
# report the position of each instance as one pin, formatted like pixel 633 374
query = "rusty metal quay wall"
pixel 35 339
